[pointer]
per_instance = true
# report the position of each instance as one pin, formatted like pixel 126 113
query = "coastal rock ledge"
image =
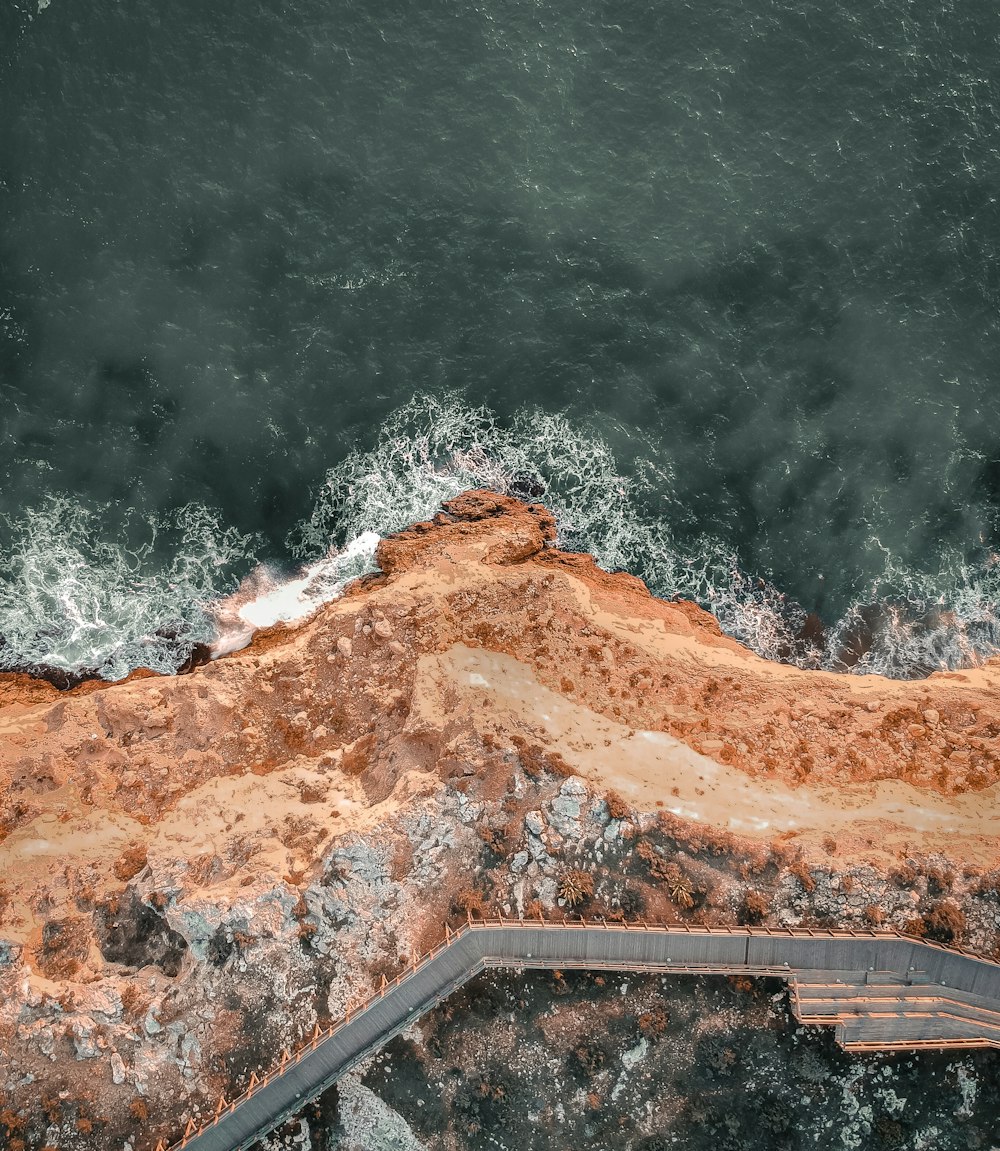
pixel 196 870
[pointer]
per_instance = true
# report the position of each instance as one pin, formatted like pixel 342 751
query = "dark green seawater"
pixel 720 280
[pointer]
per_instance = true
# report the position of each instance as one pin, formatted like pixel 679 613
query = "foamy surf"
pixel 265 599
pixel 72 600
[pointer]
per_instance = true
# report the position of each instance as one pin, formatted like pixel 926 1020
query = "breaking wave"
pixel 905 624
pixel 74 603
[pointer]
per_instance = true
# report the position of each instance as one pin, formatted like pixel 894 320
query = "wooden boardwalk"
pixel 879 989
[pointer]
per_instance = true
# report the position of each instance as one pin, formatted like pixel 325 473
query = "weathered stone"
pixel 534 823
pixel 82 1030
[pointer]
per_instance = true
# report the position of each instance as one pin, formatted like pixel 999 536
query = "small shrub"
pixel 874 915
pixel 655 862
pixel 945 922
pixel 133 1001
pixel 939 880
pixel 753 909
pixel 653 1024
pixel 679 886
pixel 11 1120
pixel 617 807
pixel 131 861
pixel 576 887
pixel 588 1058
pixel 468 901
pixel 632 902
pixel 802 873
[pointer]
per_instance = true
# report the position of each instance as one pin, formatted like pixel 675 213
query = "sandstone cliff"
pixel 196 869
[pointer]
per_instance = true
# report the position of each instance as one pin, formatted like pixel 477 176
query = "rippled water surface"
pixel 724 278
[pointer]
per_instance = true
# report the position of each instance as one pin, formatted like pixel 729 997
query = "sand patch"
pixel 654 770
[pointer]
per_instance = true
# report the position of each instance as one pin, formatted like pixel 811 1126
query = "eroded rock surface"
pixel 195 870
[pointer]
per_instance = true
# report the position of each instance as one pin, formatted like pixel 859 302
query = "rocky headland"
pixel 196 870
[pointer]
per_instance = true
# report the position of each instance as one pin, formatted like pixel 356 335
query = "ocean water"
pixel 720 283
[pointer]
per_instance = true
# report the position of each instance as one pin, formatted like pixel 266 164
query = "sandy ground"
pixel 652 769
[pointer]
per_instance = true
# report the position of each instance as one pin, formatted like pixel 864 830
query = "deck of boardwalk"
pixel 880 990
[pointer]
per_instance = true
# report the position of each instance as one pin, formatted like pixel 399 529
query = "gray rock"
pixel 537 848
pixel 10 952
pixel 575 787
pixel 534 823
pixel 519 862
pixel 83 1041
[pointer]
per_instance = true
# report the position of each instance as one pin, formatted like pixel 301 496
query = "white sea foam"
pixel 265 598
pixel 71 599
pixel 433 448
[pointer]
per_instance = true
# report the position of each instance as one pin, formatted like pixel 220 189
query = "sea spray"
pixel 269 596
pixel 72 599
pixel 432 448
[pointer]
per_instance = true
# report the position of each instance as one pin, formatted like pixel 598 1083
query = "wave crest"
pixel 906 624
pixel 73 600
